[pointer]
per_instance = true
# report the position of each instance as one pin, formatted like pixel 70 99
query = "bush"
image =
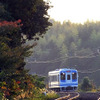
pixel 87 85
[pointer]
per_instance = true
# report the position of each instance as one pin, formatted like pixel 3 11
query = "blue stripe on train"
pixel 66 81
pixel 71 84
pixel 64 84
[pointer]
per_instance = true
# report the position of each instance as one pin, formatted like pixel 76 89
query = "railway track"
pixel 68 95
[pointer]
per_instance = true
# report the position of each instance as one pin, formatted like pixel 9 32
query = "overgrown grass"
pixel 49 96
pixel 52 95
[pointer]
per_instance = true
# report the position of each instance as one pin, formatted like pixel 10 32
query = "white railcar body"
pixel 63 79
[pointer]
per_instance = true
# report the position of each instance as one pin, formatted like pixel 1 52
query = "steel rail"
pixel 74 96
pixel 64 97
pixel 69 97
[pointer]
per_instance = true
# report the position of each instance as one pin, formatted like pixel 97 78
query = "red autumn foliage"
pixel 18 82
pixel 14 24
pixel 6 93
pixel 19 20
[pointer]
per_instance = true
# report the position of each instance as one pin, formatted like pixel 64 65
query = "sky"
pixel 77 11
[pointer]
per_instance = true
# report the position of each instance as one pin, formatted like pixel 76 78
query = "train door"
pixel 68 77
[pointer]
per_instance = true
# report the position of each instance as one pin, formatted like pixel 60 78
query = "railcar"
pixel 63 79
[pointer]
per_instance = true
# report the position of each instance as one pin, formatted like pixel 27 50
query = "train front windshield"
pixel 62 76
pixel 74 75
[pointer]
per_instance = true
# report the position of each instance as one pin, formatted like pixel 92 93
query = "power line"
pixel 95 54
pixel 88 72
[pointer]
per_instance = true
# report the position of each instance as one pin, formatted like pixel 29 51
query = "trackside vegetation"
pixel 20 21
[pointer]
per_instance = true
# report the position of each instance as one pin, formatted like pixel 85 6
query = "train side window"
pixel 53 78
pixel 58 78
pixel 62 76
pixel 68 77
pixel 49 78
pixel 74 75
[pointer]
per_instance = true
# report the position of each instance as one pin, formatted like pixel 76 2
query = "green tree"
pixel 4 14
pixel 73 49
pixel 38 81
pixel 33 14
pixel 84 52
pixel 95 39
pixel 64 50
pixel 86 84
pixel 13 35
pixel 12 58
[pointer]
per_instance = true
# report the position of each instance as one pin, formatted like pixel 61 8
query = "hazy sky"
pixel 75 10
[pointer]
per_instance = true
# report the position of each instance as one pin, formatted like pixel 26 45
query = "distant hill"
pixel 68 45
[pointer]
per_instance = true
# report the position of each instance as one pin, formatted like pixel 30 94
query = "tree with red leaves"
pixel 33 14
pixel 20 20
